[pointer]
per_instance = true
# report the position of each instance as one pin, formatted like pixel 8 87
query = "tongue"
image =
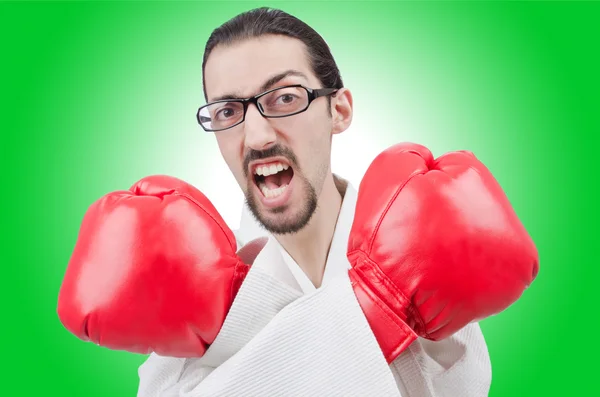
pixel 272 181
pixel 279 179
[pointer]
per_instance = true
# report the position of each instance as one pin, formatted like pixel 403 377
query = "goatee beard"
pixel 281 225
pixel 309 206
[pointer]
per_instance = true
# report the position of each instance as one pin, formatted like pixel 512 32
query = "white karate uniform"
pixel 284 337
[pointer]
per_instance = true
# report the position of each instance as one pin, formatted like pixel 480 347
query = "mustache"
pixel 276 150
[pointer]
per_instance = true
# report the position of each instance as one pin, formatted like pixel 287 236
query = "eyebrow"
pixel 266 85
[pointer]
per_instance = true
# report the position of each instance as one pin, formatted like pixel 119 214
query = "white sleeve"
pixel 456 366
pixel 261 296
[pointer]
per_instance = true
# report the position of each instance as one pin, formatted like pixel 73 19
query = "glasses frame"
pixel 312 95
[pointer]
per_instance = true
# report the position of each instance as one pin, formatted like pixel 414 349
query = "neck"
pixel 310 246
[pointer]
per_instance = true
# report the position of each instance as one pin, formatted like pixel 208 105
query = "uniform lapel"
pixel 337 261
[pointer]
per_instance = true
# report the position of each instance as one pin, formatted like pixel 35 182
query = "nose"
pixel 258 132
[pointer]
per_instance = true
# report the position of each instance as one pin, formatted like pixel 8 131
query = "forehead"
pixel 243 67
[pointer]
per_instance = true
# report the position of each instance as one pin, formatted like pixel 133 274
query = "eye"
pixel 286 99
pixel 226 112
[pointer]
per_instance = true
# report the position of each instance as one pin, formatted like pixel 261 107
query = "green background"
pixel 97 95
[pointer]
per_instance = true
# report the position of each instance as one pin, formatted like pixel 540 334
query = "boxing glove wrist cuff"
pixel 384 307
pixel 239 275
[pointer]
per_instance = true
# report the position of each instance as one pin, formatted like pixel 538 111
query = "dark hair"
pixel 265 20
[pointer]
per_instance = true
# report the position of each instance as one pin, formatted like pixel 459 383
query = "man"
pixel 284 315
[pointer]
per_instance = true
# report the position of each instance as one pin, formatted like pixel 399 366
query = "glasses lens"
pixel 284 101
pixel 221 115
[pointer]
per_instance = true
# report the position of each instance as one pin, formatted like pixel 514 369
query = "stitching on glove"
pixel 233 244
pixel 387 208
pixel 406 335
pixel 399 301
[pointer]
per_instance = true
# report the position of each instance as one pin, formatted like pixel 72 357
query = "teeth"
pixel 271 193
pixel 271 169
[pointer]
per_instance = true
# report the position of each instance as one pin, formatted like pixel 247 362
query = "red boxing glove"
pixel 154 269
pixel 434 245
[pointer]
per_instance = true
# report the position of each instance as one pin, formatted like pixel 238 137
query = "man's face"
pixel 279 163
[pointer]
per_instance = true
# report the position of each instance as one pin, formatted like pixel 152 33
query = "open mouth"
pixel 273 178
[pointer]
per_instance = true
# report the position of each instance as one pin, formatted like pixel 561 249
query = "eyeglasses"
pixel 278 102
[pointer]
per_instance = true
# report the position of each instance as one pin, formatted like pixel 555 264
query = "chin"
pixel 283 226
pixel 287 219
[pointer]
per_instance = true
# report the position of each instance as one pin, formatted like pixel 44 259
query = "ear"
pixel 341 110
